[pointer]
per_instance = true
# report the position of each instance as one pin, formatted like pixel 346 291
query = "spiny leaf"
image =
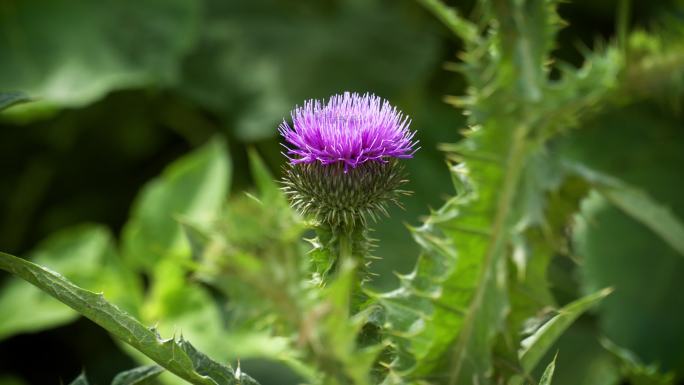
pixel 581 91
pixel 177 357
pixel 527 34
pixel 448 312
pixel 427 312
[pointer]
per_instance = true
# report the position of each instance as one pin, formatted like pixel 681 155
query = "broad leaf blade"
pixel 137 376
pixel 637 204
pixel 177 357
pixel 640 206
pixel 92 55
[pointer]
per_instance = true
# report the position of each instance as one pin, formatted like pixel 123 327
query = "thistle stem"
pixel 354 246
pixel 340 246
pixel 345 247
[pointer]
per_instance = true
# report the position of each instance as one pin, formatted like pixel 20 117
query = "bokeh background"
pixel 122 88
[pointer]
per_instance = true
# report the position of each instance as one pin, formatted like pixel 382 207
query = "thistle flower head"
pixel 350 128
pixel 344 158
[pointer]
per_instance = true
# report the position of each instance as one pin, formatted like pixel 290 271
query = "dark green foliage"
pixel 92 55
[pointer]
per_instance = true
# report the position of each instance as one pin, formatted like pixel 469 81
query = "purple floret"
pixel 349 128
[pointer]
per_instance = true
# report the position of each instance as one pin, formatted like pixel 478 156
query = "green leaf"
pixel 85 254
pixel 137 376
pixel 616 249
pixel 535 346
pixel 235 258
pixel 179 357
pixel 527 35
pixel 548 373
pixel 92 55
pixel 449 311
pixel 639 205
pixel 581 92
pixel 439 302
pixel 193 188
pixel 8 99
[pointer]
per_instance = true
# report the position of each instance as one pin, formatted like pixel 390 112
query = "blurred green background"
pixel 122 88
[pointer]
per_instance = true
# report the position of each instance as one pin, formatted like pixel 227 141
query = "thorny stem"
pixel 343 244
pixel 345 247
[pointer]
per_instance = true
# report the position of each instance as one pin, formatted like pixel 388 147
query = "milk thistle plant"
pixel 237 279
pixel 344 167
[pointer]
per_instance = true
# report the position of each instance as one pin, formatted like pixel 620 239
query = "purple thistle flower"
pixel 349 128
